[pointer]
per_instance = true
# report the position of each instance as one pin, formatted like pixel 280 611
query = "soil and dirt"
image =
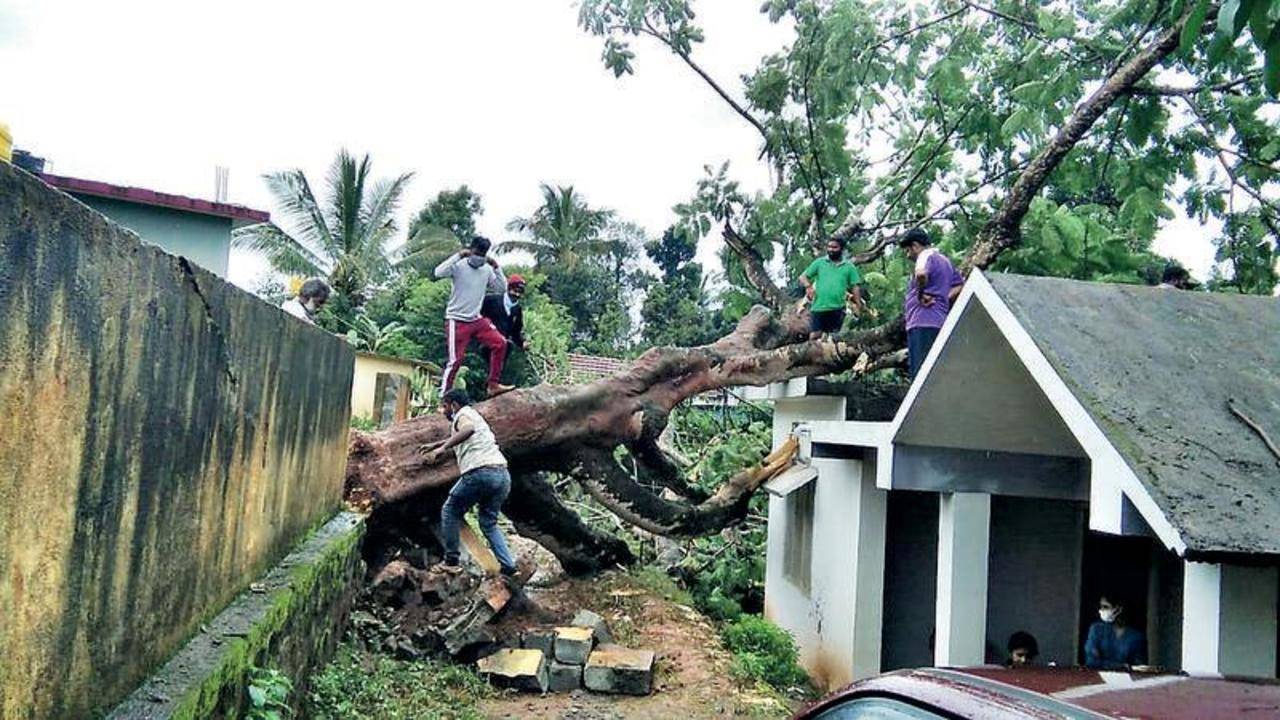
pixel 410 613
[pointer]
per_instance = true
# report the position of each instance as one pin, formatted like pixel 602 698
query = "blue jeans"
pixel 919 342
pixel 486 487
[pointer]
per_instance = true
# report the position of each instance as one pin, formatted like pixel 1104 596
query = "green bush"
pixel 364 686
pixel 762 651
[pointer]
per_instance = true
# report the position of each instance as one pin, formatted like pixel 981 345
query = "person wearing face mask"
pixel 506 313
pixel 312 296
pixel 483 481
pixel 474 273
pixel 1111 643
pixel 829 283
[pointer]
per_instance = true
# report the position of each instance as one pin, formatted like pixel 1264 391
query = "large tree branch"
pixel 599 474
pixel 1004 229
pixel 648 29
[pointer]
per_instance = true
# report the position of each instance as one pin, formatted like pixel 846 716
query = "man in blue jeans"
pixel 483 481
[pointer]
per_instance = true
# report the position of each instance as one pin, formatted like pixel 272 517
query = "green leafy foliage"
pixel 963 95
pixel 268 692
pixel 725 572
pixel 763 651
pixel 446 222
pixel 364 686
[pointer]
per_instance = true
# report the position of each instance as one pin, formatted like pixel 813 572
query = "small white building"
pixel 1062 437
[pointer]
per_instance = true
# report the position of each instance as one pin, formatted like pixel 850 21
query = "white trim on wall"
pixel 1111 478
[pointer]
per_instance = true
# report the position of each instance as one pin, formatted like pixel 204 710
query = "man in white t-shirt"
pixel 312 296
pixel 483 481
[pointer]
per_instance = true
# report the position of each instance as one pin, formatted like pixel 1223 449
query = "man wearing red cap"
pixel 506 314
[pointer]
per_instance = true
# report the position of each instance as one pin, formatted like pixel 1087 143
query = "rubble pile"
pixel 478 616
pixel 568 658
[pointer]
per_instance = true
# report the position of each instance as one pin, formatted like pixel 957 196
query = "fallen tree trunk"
pixel 575 430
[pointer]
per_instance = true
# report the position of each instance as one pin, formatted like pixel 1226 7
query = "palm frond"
pixel 345 181
pixel 296 202
pixel 285 253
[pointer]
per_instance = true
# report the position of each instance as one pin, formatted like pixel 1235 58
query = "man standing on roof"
pixel 829 283
pixel 935 284
pixel 473 274
pixel 506 313
pixel 1176 277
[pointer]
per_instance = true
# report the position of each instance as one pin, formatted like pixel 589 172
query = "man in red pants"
pixel 473 273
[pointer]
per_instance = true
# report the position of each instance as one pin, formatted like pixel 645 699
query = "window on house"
pixel 797 547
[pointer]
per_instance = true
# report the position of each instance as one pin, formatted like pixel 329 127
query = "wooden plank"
pixel 478 549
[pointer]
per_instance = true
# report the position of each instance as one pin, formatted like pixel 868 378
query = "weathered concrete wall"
pixel 293 625
pixel 164 438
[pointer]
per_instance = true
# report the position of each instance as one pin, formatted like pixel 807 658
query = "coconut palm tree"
pixel 345 238
pixel 563 231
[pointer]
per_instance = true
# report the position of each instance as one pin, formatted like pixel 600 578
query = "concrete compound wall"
pixel 164 438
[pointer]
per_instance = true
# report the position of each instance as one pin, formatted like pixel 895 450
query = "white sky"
pixel 497 94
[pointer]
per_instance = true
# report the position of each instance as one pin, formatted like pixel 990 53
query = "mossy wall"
pixel 164 438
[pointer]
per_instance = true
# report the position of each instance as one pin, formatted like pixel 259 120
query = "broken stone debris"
pixel 586 618
pixel 518 669
pixel 574 656
pixel 544 640
pixel 573 644
pixel 563 677
pixel 619 670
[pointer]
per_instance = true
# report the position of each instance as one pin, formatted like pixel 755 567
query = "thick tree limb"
pixel 608 484
pixel 538 514
pixel 1004 229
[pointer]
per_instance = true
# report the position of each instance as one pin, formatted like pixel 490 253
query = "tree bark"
pixel 574 430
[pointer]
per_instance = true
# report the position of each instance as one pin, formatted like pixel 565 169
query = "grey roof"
pixel 1156 368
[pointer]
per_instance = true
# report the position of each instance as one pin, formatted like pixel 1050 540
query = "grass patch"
pixel 359 685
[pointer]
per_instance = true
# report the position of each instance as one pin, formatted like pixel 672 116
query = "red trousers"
pixel 458 335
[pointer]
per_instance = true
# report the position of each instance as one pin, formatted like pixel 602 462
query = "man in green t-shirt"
pixel 829 283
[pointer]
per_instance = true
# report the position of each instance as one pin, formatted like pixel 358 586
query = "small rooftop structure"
pixel 238 214
pixel 199 230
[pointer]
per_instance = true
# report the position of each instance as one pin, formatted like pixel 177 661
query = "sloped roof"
pixel 593 367
pixel 1156 369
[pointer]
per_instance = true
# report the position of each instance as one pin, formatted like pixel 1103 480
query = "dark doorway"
pixel 1114 564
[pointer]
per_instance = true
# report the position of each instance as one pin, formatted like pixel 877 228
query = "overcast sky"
pixel 498 94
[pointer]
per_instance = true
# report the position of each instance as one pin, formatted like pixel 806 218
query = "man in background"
pixel 506 313
pixel 830 283
pixel 312 296
pixel 1176 277
pixel 935 284
pixel 474 273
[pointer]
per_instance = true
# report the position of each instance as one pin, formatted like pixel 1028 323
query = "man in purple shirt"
pixel 935 283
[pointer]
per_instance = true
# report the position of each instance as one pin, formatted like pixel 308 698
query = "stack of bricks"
pixel 568 658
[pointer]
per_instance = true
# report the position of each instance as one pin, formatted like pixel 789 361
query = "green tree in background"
pixel 447 221
pixel 564 230
pixel 587 256
pixel 676 309
pixel 962 97
pixel 345 237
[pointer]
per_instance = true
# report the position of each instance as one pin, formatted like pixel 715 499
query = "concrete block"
pixel 586 618
pixel 563 677
pixel 518 669
pixel 544 640
pixel 573 644
pixel 620 671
